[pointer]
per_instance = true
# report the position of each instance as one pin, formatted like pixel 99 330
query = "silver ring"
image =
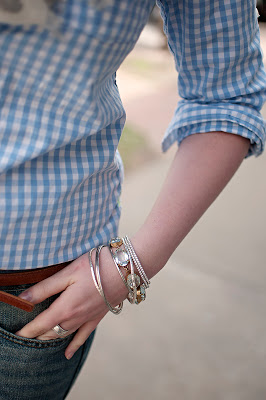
pixel 59 330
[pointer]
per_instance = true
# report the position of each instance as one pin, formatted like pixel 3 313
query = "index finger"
pixel 48 287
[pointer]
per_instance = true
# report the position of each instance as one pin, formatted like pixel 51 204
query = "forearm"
pixel 203 165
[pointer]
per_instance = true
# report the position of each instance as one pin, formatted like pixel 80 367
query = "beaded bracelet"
pixel 130 295
pixel 122 257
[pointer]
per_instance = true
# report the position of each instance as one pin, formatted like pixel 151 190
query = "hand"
pixel 79 307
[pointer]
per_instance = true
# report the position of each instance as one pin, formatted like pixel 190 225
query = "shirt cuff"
pixel 191 118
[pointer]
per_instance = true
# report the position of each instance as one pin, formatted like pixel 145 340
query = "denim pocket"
pixel 13 319
pixel 24 341
pixel 30 368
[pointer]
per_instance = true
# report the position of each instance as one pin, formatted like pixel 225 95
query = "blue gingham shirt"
pixel 61 115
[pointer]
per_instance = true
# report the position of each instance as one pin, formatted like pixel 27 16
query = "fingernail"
pixel 69 355
pixel 26 296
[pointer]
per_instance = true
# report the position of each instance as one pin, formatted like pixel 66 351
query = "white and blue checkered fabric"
pixel 61 115
pixel 222 81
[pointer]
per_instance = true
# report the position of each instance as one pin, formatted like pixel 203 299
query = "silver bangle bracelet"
pixel 130 249
pixel 132 296
pixel 118 308
pixel 92 270
pixel 97 280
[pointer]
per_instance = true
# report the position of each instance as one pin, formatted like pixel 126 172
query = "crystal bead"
pixel 121 258
pixel 141 294
pixel 130 297
pixel 130 283
pixel 116 242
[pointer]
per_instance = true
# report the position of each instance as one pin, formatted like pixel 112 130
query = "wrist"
pixel 148 253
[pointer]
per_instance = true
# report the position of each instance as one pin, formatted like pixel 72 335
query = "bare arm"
pixel 203 165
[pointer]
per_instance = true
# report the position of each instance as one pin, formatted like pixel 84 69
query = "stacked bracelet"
pixel 97 280
pixel 123 258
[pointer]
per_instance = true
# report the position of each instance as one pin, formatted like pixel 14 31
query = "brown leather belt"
pixel 23 278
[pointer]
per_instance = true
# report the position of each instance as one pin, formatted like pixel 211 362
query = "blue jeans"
pixel 31 368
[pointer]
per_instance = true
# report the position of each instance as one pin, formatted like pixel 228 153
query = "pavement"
pixel 200 335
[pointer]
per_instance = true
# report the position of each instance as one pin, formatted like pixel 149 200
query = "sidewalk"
pixel 201 333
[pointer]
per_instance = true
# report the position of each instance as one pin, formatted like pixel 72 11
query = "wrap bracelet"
pixel 123 257
pixel 130 295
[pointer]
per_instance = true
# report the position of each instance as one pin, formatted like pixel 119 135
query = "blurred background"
pixel 201 333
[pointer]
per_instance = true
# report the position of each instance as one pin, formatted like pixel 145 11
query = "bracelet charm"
pixel 121 257
pixel 141 294
pixel 129 280
pixel 116 242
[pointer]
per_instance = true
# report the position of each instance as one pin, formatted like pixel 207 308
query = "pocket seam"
pixel 35 343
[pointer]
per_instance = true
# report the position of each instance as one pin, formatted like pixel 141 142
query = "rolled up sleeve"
pixel 221 76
